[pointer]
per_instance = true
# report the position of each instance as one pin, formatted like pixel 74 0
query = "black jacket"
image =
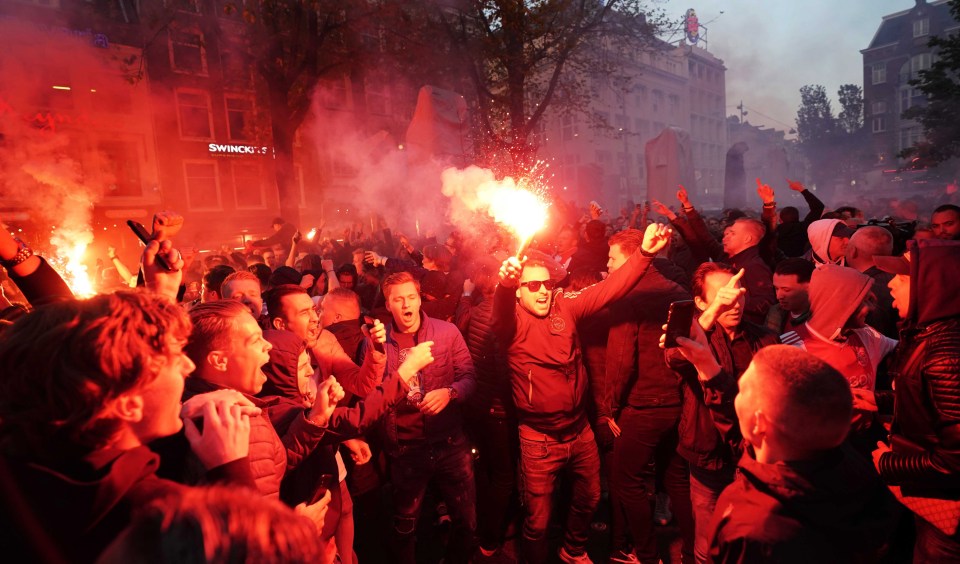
pixel 700 441
pixel 830 509
pixel 634 375
pixel 927 377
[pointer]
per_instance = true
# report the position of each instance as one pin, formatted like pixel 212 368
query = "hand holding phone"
pixel 679 319
pixel 323 486
pixel 141 232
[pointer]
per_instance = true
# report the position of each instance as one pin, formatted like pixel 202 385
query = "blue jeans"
pixel 541 461
pixel 449 466
pixel 705 487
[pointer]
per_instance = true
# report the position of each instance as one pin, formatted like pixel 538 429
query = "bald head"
pixel 339 305
pixel 794 401
pixel 866 243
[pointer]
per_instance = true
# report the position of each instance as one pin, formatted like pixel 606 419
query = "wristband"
pixel 23 253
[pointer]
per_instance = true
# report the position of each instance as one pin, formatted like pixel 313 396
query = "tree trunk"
pixel 288 188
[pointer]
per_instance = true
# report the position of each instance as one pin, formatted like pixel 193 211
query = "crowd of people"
pixel 311 398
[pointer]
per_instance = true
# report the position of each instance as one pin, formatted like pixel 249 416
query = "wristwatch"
pixel 453 393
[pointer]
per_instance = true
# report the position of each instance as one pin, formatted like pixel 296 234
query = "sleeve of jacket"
pixel 816 207
pixel 350 422
pixel 758 280
pixel 768 245
pixel 464 373
pixel 505 314
pixel 940 464
pixel 301 437
pixel 593 298
pixel 358 380
pixel 706 244
pixel 42 286
pixel 718 395
pixel 621 365
pixel 282 237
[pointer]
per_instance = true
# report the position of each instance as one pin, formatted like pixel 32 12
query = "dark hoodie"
pixel 830 509
pixel 927 411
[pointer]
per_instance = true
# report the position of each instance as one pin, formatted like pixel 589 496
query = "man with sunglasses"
pixel 549 387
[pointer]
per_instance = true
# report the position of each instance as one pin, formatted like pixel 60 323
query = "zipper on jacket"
pixel 530 387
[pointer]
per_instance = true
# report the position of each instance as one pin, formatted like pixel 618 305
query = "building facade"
pixel 895 56
pixel 598 153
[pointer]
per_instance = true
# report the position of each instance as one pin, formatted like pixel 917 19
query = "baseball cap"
pixel 893 265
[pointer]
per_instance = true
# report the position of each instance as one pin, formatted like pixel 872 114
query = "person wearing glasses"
pixel 537 323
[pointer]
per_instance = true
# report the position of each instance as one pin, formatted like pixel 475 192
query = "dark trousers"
pixel 649 435
pixel 450 466
pixel 542 459
pixel 496 470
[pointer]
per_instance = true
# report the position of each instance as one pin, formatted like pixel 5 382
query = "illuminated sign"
pixel 692 26
pixel 218 149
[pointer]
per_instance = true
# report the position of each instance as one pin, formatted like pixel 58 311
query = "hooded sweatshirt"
pixel 820 232
pixel 836 294
pixel 830 509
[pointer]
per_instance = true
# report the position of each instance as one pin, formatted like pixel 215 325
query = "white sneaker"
pixel 568 558
pixel 621 557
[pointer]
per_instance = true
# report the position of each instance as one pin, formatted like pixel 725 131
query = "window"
pixel 879 108
pixel 909 137
pixel 120 166
pixel 193 111
pixel 657 100
pixel 879 124
pixel 203 185
pixel 879 73
pixel 921 27
pixel 239 117
pixel 918 63
pixel 187 53
pixel 674 104
pixel 248 186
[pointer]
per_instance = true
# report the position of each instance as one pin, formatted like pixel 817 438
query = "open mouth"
pixel 542 301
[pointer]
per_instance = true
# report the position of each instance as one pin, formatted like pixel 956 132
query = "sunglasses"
pixel 534 285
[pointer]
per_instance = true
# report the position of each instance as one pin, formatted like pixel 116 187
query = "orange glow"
pixel 71 249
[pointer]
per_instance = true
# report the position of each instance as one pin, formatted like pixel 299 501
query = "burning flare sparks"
pixel 71 248
pixel 520 210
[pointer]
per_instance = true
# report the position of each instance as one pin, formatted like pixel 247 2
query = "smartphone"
pixel 323 486
pixel 141 232
pixel 679 320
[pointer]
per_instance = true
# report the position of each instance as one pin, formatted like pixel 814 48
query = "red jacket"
pixel 549 382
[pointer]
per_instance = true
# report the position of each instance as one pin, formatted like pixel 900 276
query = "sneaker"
pixel 662 514
pixel 568 558
pixel 622 557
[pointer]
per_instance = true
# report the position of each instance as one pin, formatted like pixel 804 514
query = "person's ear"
pixel 518 292
pixel 760 424
pixel 217 360
pixel 278 323
pixel 128 407
pixel 701 305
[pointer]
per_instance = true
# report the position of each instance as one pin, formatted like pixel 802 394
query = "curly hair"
pixel 66 360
